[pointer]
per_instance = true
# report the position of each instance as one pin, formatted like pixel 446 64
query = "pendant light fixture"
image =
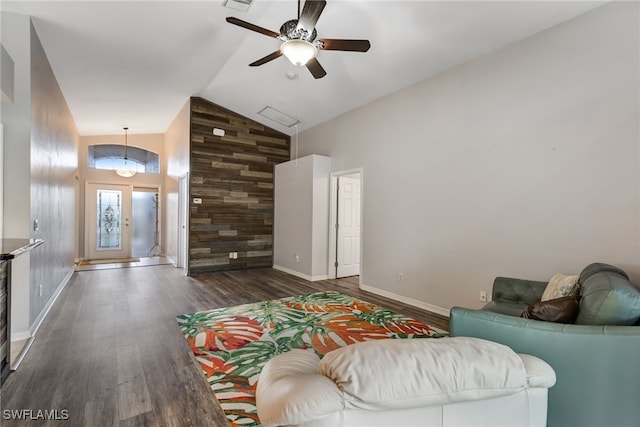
pixel 126 171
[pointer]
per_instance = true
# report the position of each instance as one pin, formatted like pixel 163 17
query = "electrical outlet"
pixel 483 296
pixel 297 257
pixel 401 277
pixel 230 255
pixel 235 255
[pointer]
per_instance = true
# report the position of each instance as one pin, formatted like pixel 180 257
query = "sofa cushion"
pixel 559 310
pixel 510 308
pixel 539 372
pixel 561 286
pixel 400 373
pixel 608 298
pixel 290 391
pixel 517 290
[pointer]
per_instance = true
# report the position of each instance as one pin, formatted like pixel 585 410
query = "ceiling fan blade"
pixel 316 69
pixel 310 14
pixel 266 59
pixel 250 26
pixel 347 45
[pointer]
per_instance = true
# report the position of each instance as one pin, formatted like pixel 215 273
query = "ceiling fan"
pixel 300 44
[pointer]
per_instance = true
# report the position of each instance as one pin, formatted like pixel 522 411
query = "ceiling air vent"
pixel 278 116
pixel 241 5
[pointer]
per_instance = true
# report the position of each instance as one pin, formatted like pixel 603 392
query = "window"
pixel 111 157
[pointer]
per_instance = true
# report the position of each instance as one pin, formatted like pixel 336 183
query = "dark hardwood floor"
pixel 110 352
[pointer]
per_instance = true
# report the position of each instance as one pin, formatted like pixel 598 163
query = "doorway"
pixel 345 243
pixel 121 221
pixel 183 223
pixel 145 222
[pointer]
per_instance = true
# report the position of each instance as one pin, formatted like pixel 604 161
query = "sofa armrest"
pixel 598 376
pixel 517 290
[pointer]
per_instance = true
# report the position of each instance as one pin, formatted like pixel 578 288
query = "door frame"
pixel 182 256
pixel 88 218
pixel 333 217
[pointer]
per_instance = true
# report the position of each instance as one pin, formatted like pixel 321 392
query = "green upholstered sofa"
pixel 597 359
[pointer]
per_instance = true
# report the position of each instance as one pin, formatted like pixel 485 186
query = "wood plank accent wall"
pixel 233 175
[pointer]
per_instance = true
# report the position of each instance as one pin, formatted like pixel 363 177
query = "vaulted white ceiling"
pixel 135 63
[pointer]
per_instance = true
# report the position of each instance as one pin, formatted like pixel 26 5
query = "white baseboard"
pixel 33 329
pixel 405 300
pixel 20 336
pixel 15 364
pixel 301 275
pixel 36 325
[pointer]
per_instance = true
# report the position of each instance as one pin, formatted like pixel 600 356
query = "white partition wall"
pixel 301 218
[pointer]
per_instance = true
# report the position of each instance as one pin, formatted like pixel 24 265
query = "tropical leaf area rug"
pixel 232 344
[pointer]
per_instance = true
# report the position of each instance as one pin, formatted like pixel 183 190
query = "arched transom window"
pixel 111 157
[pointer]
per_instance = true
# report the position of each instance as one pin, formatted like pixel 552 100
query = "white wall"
pixel 522 163
pixel 320 225
pixel 16 117
pixel 301 216
pixel 177 148
pixel 39 182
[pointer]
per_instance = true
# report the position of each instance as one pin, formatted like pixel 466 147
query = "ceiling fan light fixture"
pixel 299 52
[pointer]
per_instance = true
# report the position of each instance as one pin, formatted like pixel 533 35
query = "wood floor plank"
pixel 133 395
pixel 101 412
pixel 103 368
pixel 110 350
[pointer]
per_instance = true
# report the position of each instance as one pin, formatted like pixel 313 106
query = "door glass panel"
pixel 144 239
pixel 109 212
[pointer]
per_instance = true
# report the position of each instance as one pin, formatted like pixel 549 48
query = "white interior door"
pixel 107 218
pixel 348 235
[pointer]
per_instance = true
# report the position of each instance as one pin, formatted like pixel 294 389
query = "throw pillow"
pixel 559 310
pixel 561 286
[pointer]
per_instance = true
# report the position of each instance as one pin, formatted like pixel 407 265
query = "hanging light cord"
pixel 297 117
pixel 125 145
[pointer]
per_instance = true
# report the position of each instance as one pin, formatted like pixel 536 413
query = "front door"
pixel 107 217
